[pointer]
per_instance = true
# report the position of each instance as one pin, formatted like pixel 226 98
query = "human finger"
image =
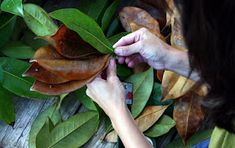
pixel 129 50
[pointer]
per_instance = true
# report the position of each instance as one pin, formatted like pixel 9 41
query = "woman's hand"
pixel 142 46
pixel 108 94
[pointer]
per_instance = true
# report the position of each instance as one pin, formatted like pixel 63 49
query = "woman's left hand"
pixel 108 94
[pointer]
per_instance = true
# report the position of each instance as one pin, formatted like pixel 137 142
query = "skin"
pixel 137 47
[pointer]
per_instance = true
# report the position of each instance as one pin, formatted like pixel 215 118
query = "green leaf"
pixel 109 14
pixel 195 139
pixel 7 112
pixel 114 28
pixel 43 134
pixel 7 24
pixel 85 26
pixel 123 71
pixel 221 138
pixel 143 85
pixel 156 96
pixel 161 127
pixel 84 99
pixel 93 8
pixel 38 123
pixel 38 20
pixel 13 80
pixel 117 37
pixel 17 50
pixel 13 6
pixel 75 131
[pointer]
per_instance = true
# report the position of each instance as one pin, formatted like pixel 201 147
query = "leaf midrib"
pixel 16 77
pixel 83 29
pixel 70 133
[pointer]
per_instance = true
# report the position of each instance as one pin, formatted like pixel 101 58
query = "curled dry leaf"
pixel 133 18
pixel 188 114
pixel 148 117
pixel 174 86
pixel 67 66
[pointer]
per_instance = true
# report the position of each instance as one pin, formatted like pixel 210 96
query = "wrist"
pixel 176 60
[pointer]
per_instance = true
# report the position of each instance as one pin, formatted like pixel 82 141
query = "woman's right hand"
pixel 142 46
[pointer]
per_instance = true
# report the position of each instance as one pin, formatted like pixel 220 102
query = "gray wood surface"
pixel 27 110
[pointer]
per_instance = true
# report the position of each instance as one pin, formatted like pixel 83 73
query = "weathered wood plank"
pixel 26 112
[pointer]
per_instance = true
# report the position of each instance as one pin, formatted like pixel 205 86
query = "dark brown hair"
pixel 208 27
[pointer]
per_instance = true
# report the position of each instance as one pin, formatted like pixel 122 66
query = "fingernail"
pixel 114 46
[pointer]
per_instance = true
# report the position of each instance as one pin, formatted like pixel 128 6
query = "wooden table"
pixel 27 110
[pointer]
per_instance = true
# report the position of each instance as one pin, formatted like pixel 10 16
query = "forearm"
pixel 128 131
pixel 178 61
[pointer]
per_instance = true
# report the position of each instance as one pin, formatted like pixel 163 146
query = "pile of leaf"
pixel 63 58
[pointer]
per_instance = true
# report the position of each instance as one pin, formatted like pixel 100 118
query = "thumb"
pixel 129 50
pixel 111 71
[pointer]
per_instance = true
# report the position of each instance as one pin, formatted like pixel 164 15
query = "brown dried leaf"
pixel 112 137
pixel 175 86
pixel 43 75
pixel 70 45
pixel 133 18
pixel 74 69
pixel 149 116
pixel 188 115
pixel 58 89
pixel 160 74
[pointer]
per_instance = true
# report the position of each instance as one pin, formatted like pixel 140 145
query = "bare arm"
pixel 109 95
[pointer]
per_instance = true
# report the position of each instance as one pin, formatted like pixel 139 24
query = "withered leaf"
pixel 188 114
pixel 43 75
pixel 70 45
pixel 67 66
pixel 175 86
pixel 149 116
pixel 133 18
pixel 74 69
pixel 57 89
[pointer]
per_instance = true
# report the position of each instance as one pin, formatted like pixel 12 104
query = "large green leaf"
pixel 123 71
pixel 195 139
pixel 221 138
pixel 84 99
pixel 109 14
pixel 75 131
pixel 43 134
pixel 39 122
pixel 13 6
pixel 17 50
pixel 93 8
pixel 38 20
pixel 143 85
pixel 114 28
pixel 85 26
pixel 161 127
pixel 13 80
pixel 7 113
pixel 7 24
